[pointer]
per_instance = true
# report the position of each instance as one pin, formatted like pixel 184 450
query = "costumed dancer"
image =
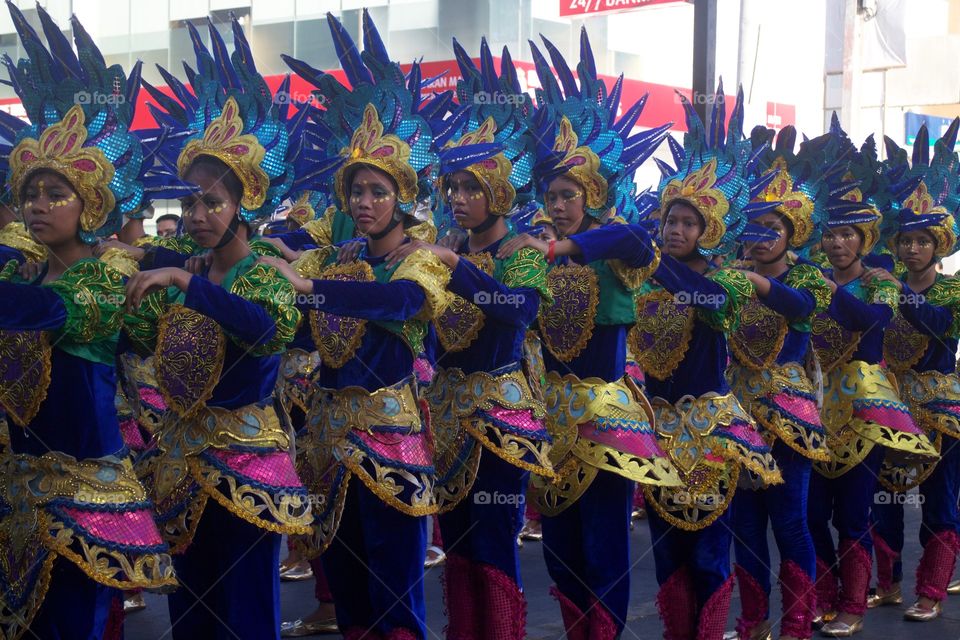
pixel 919 346
pixel 486 416
pixel 221 473
pixel 76 525
pixel 369 448
pixel 601 424
pixel 680 343
pixel 767 374
pixel 862 412
pixel 295 394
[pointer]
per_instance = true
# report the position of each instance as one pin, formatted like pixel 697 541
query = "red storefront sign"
pixel 590 7
pixel 780 115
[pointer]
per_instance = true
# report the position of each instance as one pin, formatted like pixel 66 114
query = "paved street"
pixel 543 618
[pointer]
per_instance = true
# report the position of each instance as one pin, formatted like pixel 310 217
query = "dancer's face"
pixel 467 200
pixel 373 200
pixel 842 246
pixel 565 202
pixel 915 249
pixel 207 213
pixel 682 228
pixel 772 250
pixel 51 209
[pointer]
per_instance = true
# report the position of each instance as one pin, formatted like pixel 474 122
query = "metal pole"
pixel 850 103
pixel 704 53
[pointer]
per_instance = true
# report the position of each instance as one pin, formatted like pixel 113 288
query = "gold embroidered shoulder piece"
pixel 94 296
pixel 425 231
pixel 312 262
pixel 946 293
pixel 633 278
pixel 527 268
pixel 321 229
pixel 263 285
pixel 16 236
pixel 809 278
pixel 738 290
pixel 121 260
pixel 425 269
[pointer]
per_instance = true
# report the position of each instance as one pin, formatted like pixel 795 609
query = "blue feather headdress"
pixel 927 196
pixel 487 135
pixel 80 112
pixel 232 116
pixel 715 175
pixel 576 133
pixel 795 183
pixel 380 120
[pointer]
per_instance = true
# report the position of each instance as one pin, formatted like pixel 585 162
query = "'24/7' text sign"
pixel 584 7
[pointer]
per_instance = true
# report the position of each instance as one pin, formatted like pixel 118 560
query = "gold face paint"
pixel 64 202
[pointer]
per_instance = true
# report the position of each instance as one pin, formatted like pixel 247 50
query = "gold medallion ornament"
pixel 758 340
pixel 661 336
pixel 833 343
pixel 460 323
pixel 243 153
pixel 24 373
pixel 188 358
pixel 338 337
pixel 60 150
pixel 903 345
pixel 567 325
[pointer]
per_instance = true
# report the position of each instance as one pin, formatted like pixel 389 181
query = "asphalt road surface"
pixel 543 616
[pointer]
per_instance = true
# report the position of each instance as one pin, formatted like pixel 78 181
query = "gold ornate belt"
pixel 465 393
pixel 250 426
pixel 356 408
pixel 39 480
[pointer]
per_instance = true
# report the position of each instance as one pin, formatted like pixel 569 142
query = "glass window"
pixel 268 42
pixel 188 9
pixel 314 44
pixel 272 10
pixel 317 8
pixel 149 17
